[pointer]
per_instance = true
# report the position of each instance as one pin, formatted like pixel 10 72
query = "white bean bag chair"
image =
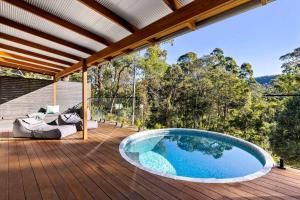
pixel 32 128
pixel 74 119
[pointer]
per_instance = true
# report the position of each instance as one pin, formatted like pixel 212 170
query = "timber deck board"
pixel 94 169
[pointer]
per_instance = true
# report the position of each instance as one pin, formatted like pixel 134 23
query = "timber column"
pixel 54 91
pixel 84 99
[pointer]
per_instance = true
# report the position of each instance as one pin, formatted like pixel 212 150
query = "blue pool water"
pixel 194 154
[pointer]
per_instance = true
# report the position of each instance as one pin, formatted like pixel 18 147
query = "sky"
pixel 259 36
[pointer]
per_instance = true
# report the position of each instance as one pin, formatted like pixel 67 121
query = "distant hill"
pixel 265 80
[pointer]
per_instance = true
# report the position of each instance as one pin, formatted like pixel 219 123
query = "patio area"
pixel 62 37
pixel 73 168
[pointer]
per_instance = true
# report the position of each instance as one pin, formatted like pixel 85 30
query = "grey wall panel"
pixel 19 96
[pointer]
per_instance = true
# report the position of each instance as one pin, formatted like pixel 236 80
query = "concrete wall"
pixel 19 96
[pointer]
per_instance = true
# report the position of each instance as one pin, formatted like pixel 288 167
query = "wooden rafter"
pixel 25 68
pixel 37 55
pixel 21 63
pixel 46 36
pixel 198 10
pixel 173 4
pixel 102 10
pixel 38 46
pixel 50 17
pixel 15 56
pixel 192 26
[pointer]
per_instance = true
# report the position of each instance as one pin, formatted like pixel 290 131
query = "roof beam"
pixel 264 2
pixel 198 10
pixel 76 67
pixel 17 62
pixel 52 18
pixel 173 4
pixel 37 55
pixel 25 68
pixel 102 10
pixel 46 36
pixel 14 56
pixel 38 46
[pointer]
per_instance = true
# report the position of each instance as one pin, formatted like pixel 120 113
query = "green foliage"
pixel 138 123
pixel 154 62
pixel 110 117
pixel 20 73
pixel 285 140
pixel 157 126
pixel 76 77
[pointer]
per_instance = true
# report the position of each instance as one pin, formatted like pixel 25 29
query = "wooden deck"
pixel 94 169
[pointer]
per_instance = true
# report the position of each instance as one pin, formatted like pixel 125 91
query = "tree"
pixel 186 60
pixel 285 140
pixel 20 73
pixel 246 73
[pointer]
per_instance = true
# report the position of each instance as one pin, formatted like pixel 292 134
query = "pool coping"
pixel 269 163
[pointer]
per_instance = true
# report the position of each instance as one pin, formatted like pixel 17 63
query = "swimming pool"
pixel 194 155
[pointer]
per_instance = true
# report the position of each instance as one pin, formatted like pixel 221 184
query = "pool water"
pixel 190 154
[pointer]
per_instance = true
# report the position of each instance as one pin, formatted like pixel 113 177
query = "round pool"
pixel 195 155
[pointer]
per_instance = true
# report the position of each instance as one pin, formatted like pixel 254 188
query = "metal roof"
pixel 63 32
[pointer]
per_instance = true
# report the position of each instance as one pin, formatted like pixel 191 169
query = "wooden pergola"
pixel 60 37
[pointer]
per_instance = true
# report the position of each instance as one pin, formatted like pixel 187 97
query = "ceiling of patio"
pixel 53 36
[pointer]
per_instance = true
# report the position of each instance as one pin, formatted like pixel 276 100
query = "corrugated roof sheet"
pixel 82 16
pixel 18 15
pixel 26 36
pixel 138 12
pixel 35 50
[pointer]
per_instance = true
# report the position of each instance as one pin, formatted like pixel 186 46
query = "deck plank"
pixel 31 188
pixel 46 188
pixel 91 172
pixel 94 169
pixel 60 186
pixel 76 187
pixel 15 183
pixel 89 185
pixel 4 166
pixel 125 188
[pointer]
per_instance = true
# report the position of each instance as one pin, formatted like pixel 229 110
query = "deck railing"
pixel 118 110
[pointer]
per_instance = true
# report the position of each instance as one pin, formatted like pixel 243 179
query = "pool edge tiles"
pixel 268 165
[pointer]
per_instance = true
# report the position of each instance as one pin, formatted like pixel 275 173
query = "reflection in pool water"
pixel 193 156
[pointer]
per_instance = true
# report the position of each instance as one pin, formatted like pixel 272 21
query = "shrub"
pixel 157 126
pixel 110 117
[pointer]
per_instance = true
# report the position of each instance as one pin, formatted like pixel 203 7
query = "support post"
pixel 84 100
pixel 54 91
